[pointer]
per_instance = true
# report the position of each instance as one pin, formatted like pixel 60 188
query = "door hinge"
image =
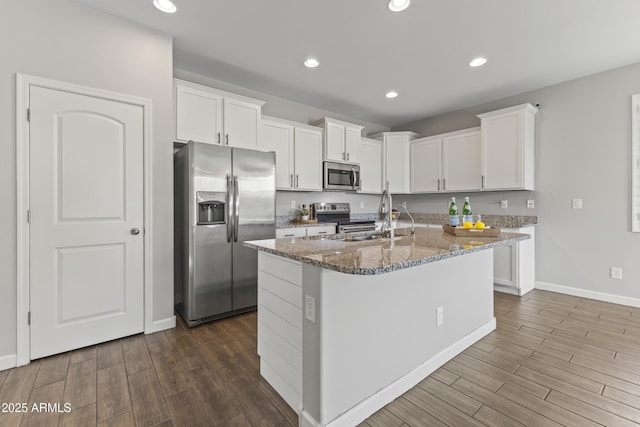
pixel 29 318
pixel 29 216
pixel 28 114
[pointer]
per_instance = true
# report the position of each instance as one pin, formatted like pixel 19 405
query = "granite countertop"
pixel 380 256
pixel 500 221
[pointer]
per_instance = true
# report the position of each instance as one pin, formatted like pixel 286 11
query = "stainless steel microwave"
pixel 341 176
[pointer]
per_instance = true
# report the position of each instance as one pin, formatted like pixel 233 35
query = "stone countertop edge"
pixel 255 244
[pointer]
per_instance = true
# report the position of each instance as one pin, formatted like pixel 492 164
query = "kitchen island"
pixel 346 325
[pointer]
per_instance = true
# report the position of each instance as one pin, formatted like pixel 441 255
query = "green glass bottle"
pixel 454 221
pixel 467 215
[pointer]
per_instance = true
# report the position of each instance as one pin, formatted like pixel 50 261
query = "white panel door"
pixel 241 123
pixel 86 236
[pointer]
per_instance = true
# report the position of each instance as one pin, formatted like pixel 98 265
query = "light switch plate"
pixel 576 203
pixel 310 308
pixel 504 204
pixel 616 273
pixel 439 316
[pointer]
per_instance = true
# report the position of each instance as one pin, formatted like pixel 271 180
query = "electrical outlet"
pixel 310 308
pixel 504 204
pixel 616 273
pixel 361 204
pixel 439 316
pixel 404 205
pixel 576 203
pixel 293 204
pixel 530 204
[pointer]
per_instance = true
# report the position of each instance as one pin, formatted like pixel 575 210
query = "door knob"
pixel 135 231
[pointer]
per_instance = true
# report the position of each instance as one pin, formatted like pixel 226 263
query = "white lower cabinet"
pixel 514 267
pixel 280 326
pixel 318 230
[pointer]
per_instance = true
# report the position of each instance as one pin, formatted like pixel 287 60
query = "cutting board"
pixel 470 232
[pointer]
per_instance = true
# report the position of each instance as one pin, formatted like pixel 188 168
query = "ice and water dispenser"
pixel 211 207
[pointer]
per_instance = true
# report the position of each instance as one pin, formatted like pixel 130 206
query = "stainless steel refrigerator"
pixel 222 197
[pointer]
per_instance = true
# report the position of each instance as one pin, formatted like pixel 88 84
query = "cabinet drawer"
pixel 291 232
pixel 321 230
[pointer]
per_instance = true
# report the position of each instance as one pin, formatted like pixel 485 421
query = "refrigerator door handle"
pixel 236 221
pixel 229 209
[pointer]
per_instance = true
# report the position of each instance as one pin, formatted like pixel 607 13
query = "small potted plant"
pixel 304 213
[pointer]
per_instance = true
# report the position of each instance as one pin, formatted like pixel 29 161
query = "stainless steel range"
pixel 341 213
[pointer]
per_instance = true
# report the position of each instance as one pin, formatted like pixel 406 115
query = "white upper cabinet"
pixel 298 151
pixel 277 136
pixel 308 158
pixel 426 165
pixel 446 163
pixel 341 141
pixel 212 116
pixel 370 166
pixel 396 159
pixel 508 145
pixel 461 160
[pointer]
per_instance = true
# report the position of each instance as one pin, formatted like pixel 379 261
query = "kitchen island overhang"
pixel 346 327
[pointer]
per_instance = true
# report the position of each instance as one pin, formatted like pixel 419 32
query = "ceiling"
pixel 365 50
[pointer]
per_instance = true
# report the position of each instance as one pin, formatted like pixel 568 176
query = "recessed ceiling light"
pixel 311 63
pixel 398 5
pixel 165 6
pixel 477 62
pixel 391 94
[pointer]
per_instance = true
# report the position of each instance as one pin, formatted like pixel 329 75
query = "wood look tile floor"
pixel 553 360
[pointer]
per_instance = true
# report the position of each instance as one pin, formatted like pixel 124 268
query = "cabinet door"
pixel 371 166
pixel 291 232
pixel 278 137
pixel 321 230
pixel 241 123
pixel 396 163
pixel 334 142
pixel 502 160
pixel 352 144
pixel 425 165
pixel 461 162
pixel 308 159
pixel 198 115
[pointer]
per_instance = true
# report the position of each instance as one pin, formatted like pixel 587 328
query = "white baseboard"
pixel 161 325
pixel 600 296
pixel 380 399
pixel 8 362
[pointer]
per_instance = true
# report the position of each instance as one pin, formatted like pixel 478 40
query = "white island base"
pixel 338 347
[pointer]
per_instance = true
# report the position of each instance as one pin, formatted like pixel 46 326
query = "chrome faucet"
pixel 413 223
pixel 385 209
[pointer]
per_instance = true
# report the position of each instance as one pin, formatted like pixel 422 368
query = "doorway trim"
pixel 23 84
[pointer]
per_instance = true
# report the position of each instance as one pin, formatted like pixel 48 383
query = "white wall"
pixel 62 40
pixel 583 151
